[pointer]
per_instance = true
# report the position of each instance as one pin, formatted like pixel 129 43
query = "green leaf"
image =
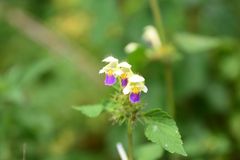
pixel 191 43
pixel 90 110
pixel 162 129
pixel 149 152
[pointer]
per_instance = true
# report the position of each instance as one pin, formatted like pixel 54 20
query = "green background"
pixel 50 54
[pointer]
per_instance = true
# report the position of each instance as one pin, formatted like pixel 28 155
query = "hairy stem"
pixel 167 64
pixel 130 140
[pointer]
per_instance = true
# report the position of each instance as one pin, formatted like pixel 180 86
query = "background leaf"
pixel 148 152
pixel 90 110
pixel 191 43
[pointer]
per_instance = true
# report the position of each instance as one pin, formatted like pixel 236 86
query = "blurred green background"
pixel 50 54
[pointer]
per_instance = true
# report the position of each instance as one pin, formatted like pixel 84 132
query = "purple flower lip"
pixel 110 80
pixel 134 97
pixel 124 82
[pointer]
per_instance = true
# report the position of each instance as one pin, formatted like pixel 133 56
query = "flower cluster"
pixel 132 84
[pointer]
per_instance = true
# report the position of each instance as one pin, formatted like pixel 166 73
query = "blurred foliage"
pixel 37 87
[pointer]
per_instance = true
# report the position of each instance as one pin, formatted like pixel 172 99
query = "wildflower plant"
pixel 126 107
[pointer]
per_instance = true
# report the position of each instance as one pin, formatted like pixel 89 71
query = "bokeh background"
pixel 50 54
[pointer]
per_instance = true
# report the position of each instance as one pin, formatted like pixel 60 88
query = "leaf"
pixel 162 129
pixel 230 67
pixel 90 110
pixel 191 43
pixel 149 152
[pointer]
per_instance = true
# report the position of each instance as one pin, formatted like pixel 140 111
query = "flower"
pixel 131 47
pixel 110 70
pixel 135 87
pixel 151 36
pixel 124 72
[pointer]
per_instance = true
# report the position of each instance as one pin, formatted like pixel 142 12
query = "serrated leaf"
pixel 162 129
pixel 90 110
pixel 149 152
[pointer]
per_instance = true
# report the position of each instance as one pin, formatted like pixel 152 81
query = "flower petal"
pixel 118 72
pixel 124 82
pixel 102 70
pixel 134 97
pixel 131 47
pixel 126 90
pixel 110 80
pixel 136 78
pixel 124 65
pixel 145 89
pixel 110 59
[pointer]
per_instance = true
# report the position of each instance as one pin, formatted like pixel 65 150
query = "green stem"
pixel 168 68
pixel 130 140
pixel 169 85
pixel 158 19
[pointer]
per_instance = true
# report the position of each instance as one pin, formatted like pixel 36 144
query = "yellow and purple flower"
pixel 134 88
pixel 110 70
pixel 124 72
